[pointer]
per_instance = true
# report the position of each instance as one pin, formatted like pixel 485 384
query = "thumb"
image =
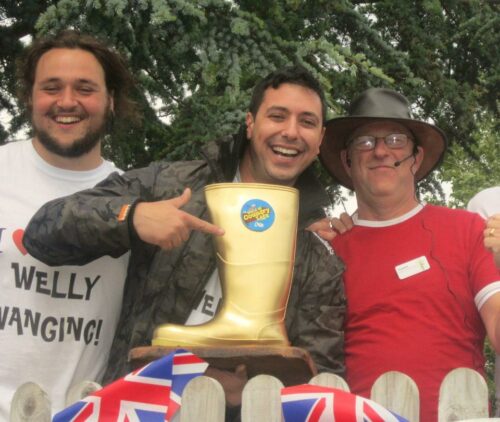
pixel 241 371
pixel 181 200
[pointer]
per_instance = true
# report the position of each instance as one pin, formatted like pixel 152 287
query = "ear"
pixel 322 136
pixel 346 161
pixel 249 122
pixel 112 102
pixel 419 157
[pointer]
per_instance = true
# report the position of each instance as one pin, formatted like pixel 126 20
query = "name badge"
pixel 412 267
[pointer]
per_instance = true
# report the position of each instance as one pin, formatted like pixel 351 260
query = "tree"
pixel 196 61
pixel 467 175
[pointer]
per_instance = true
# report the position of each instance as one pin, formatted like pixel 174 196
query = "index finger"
pixel 493 221
pixel 196 223
pixel 323 224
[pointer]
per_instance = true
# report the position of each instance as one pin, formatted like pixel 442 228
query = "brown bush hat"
pixel 374 105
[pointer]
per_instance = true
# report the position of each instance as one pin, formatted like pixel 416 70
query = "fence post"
pixel 463 394
pixel 262 400
pixel 30 404
pixel 326 379
pixel 81 390
pixel 203 400
pixel 399 393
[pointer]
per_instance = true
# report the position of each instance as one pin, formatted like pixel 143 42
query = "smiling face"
pixel 284 135
pixel 374 173
pixel 69 104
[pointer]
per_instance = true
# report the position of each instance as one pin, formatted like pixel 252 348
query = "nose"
pixel 67 99
pixel 380 148
pixel 291 129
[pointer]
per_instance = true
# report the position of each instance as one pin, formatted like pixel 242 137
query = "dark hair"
pixel 297 75
pixel 119 80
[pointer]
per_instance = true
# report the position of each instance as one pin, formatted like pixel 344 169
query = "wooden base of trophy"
pixel 291 365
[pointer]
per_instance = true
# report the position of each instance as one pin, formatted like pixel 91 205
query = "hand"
pixel 232 382
pixel 163 223
pixel 327 229
pixel 492 236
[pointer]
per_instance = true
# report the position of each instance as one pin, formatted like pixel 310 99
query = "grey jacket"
pixel 164 286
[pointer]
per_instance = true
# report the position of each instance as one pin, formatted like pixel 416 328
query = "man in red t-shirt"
pixel 422 289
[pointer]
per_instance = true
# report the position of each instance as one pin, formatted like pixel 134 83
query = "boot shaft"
pixel 260 221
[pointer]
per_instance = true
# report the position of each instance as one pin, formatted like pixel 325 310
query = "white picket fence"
pixel 463 397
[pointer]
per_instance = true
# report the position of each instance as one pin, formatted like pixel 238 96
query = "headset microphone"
pixel 398 163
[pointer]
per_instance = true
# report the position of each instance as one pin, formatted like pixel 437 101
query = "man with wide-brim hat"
pixel 374 105
pixel 421 288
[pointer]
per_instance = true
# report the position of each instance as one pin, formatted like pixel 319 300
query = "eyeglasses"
pixel 368 142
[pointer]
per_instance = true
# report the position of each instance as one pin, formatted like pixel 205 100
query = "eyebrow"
pixel 278 108
pixel 286 110
pixel 81 80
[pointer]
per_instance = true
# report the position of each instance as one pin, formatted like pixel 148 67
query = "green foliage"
pixel 196 63
pixel 490 355
pixel 471 173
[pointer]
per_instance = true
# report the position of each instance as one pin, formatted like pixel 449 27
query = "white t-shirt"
pixel 56 323
pixel 206 309
pixel 486 203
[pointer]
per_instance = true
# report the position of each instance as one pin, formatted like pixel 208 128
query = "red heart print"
pixel 17 237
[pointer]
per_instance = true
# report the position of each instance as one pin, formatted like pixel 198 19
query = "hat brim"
pixel 339 129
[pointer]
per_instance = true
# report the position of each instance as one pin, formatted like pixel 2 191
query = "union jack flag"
pixel 311 403
pixel 151 393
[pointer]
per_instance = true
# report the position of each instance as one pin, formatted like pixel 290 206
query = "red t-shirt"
pixel 422 322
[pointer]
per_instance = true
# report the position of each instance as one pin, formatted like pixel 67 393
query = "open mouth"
pixel 285 152
pixel 66 120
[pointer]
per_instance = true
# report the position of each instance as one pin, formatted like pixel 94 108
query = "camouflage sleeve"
pixel 79 228
pixel 316 310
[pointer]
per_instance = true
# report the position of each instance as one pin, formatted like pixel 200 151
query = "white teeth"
pixel 67 119
pixel 286 151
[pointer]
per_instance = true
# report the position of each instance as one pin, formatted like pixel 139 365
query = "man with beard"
pixel 57 324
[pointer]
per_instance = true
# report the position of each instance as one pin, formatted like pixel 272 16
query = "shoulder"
pixel 109 167
pixel 165 169
pixel 453 213
pixel 164 179
pixel 454 222
pixel 446 215
pixel 12 153
pixel 188 173
pixel 13 147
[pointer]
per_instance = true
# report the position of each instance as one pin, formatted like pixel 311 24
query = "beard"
pixel 79 146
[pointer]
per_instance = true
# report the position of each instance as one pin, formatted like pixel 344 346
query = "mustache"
pixel 74 111
pixel 283 141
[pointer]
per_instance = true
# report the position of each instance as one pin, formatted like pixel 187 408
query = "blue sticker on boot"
pixel 257 215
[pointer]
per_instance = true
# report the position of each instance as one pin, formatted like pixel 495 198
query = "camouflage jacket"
pixel 164 286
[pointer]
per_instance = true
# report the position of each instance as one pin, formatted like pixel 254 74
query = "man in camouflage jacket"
pixel 164 285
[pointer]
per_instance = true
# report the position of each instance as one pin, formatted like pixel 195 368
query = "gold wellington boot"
pixel 255 262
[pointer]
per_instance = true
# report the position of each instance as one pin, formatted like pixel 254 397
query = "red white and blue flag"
pixel 149 394
pixel 311 403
